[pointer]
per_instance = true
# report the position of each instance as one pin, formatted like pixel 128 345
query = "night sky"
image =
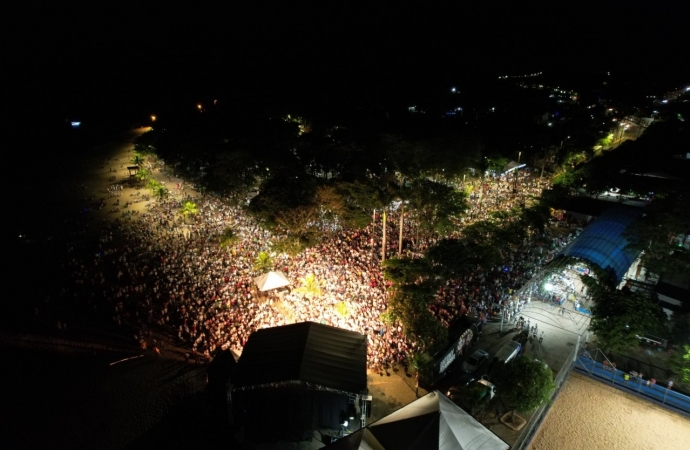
pixel 76 58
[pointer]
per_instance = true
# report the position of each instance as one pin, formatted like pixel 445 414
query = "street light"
pixel 516 171
pixel 153 118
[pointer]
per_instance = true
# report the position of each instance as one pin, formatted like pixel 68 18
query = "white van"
pixel 508 352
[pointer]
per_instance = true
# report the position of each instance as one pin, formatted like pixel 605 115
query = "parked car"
pixel 474 396
pixel 508 352
pixel 476 361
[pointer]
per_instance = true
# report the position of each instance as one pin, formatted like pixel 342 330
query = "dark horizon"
pixel 80 59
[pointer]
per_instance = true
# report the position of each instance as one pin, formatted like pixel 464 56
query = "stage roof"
pixel 602 242
pixel 432 422
pixel 310 352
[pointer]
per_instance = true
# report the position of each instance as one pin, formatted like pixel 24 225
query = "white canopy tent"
pixel 271 280
pixel 432 422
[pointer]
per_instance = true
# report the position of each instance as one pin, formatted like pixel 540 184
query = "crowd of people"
pixel 161 268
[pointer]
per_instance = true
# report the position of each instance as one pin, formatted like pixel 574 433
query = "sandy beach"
pixel 591 415
pixel 106 166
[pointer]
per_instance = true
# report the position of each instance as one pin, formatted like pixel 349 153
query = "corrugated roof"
pixel 310 352
pixel 602 242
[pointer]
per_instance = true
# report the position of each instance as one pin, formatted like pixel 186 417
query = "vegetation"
pixel 189 209
pixel 525 384
pixel 160 192
pixel 303 179
pixel 412 292
pixel 310 286
pixel 342 309
pixel 263 262
pixel 662 236
pixel 680 363
pixel 228 238
pixel 618 317
pixel 137 159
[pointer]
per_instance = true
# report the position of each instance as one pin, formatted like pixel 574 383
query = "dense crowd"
pixel 160 268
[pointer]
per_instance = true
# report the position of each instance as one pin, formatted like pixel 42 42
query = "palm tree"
pixel 387 192
pixel 228 238
pixel 263 262
pixel 189 209
pixel 342 309
pixel 311 287
pixel 143 174
pixel 137 159
pixel 153 184
pixel 160 192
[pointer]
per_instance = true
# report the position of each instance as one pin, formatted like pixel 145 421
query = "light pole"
pixel 621 127
pixel 516 172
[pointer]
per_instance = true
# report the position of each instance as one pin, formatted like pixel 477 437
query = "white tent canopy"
pixel 271 280
pixel 431 422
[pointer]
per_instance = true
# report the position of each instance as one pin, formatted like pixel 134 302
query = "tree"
pixel 410 305
pixel 310 286
pixel 618 317
pixel 160 192
pixel 680 363
pixel 387 190
pixel 359 199
pixel 282 193
pixel 228 238
pixel 287 245
pixel 300 222
pixel 459 257
pixel 342 309
pixel 661 236
pixel 680 331
pixel 142 174
pixel 414 289
pixel 524 384
pixel 189 209
pixel 436 205
pixel 263 262
pixel 235 171
pixel 137 159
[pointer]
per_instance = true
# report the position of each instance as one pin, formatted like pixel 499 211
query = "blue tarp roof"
pixel 602 242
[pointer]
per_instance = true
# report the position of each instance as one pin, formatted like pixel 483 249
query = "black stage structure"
pixel 295 379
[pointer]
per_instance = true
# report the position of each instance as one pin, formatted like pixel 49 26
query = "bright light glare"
pixel 548 287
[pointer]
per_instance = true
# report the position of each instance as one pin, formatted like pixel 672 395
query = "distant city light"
pixel 75 124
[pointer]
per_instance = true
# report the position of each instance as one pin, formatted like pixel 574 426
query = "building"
pixel 294 380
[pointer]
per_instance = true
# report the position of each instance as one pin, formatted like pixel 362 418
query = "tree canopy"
pixel 525 384
pixel 662 236
pixel 618 317
pixel 413 291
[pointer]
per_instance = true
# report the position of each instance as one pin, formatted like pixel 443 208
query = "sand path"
pixel 591 415
pixel 108 167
